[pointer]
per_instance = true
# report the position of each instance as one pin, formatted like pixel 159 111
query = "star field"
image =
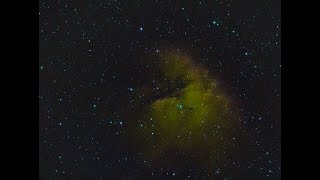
pixel 97 76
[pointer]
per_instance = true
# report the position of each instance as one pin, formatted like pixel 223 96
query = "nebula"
pixel 192 117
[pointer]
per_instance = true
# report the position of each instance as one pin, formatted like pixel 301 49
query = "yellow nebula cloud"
pixel 194 117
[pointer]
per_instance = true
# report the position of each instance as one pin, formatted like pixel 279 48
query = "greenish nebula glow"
pixel 195 118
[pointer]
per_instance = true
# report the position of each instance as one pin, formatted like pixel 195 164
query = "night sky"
pixel 159 89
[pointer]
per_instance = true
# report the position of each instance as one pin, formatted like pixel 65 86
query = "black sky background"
pixel 92 52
